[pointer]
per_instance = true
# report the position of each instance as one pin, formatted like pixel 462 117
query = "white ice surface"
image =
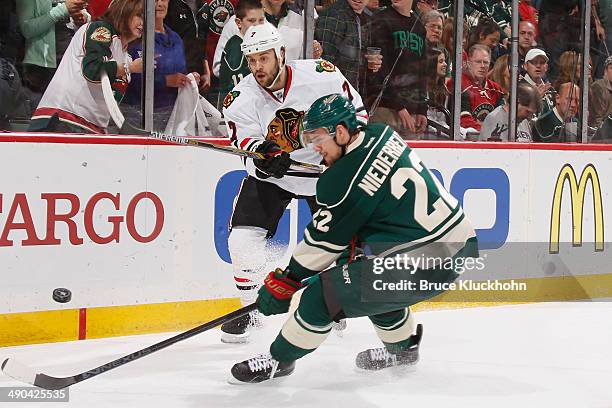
pixel 543 355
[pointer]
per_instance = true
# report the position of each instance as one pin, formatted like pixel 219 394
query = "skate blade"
pixel 229 338
pixel 397 370
pixel 276 380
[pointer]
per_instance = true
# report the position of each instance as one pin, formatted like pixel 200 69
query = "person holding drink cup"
pixel 374 57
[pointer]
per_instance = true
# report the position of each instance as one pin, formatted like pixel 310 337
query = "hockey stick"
pixel 22 373
pixel 127 128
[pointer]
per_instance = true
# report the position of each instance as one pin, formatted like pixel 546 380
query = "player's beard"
pixel 269 81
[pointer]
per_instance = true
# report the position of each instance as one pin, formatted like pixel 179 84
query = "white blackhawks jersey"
pixel 86 105
pixel 254 114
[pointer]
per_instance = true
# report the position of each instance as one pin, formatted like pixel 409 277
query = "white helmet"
pixel 262 37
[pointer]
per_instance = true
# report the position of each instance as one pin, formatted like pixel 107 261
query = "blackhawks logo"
pixel 325 66
pixel 285 129
pixel 229 99
pixel 220 12
pixel 101 34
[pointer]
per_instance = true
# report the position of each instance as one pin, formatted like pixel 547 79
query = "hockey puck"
pixel 62 295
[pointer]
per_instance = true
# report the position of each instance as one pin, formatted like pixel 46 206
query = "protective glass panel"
pixel 398 56
pixel 600 92
pixel 392 53
pixel 550 64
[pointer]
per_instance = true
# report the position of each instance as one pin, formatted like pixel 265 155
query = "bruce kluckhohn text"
pixel 460 265
pixel 465 285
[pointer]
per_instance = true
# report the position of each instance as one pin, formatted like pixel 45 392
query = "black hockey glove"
pixel 275 164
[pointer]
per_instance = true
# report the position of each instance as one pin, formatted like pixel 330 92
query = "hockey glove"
pixel 275 295
pixel 275 164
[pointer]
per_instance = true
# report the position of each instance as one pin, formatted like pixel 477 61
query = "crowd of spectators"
pixel 397 53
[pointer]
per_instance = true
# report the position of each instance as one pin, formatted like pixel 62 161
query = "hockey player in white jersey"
pixel 264 113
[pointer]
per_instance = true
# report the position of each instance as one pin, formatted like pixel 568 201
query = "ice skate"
pixel 238 330
pixel 379 358
pixel 260 368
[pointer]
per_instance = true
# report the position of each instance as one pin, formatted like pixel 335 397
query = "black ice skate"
pixel 260 368
pixel 237 330
pixel 379 358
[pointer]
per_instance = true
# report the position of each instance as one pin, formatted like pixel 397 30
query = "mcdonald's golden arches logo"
pixel 577 195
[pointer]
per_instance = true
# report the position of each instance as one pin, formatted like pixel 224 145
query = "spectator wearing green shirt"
pixel 234 66
pixel 37 21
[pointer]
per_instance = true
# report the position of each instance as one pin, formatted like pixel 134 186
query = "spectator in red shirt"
pixel 479 95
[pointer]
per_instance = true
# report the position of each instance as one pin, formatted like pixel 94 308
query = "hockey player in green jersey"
pixel 376 195
pixel 234 66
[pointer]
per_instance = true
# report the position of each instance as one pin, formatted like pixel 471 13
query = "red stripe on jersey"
pixel 244 141
pixel 242 280
pixel 288 84
pixel 67 117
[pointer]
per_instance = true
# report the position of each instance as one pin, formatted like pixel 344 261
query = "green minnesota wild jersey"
pixel 382 195
pixel 234 66
pixel 550 128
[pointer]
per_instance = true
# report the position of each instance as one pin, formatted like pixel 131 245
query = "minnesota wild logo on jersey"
pixel 220 11
pixel 325 66
pixel 101 34
pixel 119 87
pixel 285 129
pixel 230 98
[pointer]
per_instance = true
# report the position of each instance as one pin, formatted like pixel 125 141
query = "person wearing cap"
pixel 600 103
pixel 536 67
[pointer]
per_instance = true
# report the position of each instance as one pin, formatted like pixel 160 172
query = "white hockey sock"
pixel 247 247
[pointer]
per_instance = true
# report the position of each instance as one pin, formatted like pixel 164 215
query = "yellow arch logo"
pixel 577 191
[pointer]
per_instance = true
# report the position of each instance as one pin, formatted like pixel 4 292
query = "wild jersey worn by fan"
pixel 95 46
pixel 254 114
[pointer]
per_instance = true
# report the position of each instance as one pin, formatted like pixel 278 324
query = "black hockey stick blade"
pixel 22 373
